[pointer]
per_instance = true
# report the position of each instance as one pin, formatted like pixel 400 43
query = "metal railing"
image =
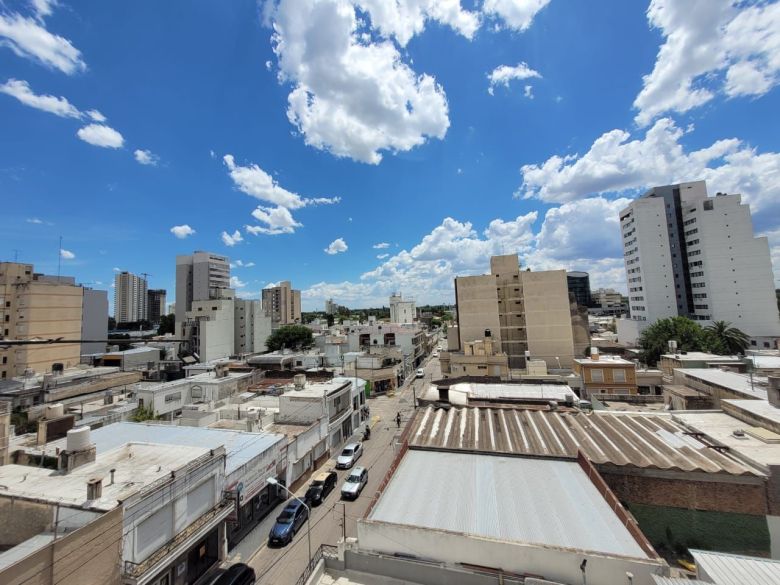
pixel 324 550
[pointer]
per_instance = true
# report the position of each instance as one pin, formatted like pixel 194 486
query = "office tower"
pixel 129 298
pixel 283 303
pixel 156 304
pixel 579 286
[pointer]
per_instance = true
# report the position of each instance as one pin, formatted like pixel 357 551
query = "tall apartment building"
pixel 252 327
pixel 155 302
pixel 402 310
pixel 47 307
pixel 579 286
pixel 696 256
pixel 130 298
pixel 199 277
pixel 283 303
pixel 522 310
pixel 331 308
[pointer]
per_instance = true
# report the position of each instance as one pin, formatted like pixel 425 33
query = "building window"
pixel 596 375
pixel 618 375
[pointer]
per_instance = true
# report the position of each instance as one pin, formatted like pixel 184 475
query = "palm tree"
pixel 727 338
pixel 654 340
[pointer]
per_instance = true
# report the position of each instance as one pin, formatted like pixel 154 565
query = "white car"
pixel 349 456
pixel 420 373
pixel 354 484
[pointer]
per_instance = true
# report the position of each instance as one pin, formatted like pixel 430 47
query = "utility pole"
pixel 344 521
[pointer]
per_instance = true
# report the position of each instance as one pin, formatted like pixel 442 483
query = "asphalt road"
pixel 280 566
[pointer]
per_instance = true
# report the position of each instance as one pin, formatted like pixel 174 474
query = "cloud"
pixel 59 106
pixel 146 157
pixel 254 181
pixel 710 47
pixel 232 239
pixel 404 19
pixel 516 14
pixel 34 220
pixel 351 96
pixel 235 282
pixel 381 246
pixel 528 91
pixel 101 135
pixel 382 256
pixel 116 269
pixel 66 254
pixel 337 246
pixel 43 8
pixel 182 231
pixel 615 163
pixel 28 38
pixel 277 220
pixel 241 264
pixel 503 74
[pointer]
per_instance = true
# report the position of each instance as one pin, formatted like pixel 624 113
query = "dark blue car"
pixel 288 523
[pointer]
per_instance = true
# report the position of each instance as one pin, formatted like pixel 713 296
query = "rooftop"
pixel 765 361
pixel 319 389
pixel 137 465
pixel 462 492
pixel 605 359
pixel 758 408
pixel 701 356
pixel 240 447
pixel 740 383
pixel 727 569
pixel 648 441
pixel 460 393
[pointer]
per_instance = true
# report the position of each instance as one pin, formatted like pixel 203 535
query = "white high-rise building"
pixel 130 298
pixel 692 255
pixel 199 277
pixel 402 311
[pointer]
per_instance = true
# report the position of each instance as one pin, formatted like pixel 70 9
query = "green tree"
pixel 167 324
pixel 330 319
pixel 654 340
pixel 725 339
pixel 290 337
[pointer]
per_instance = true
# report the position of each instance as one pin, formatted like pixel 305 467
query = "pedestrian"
pixel 398 420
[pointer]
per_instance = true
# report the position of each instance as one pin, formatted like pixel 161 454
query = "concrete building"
pixel 330 307
pixel 524 311
pixel 39 306
pixel 130 298
pixel 579 286
pixel 478 358
pixel 210 327
pixel 692 255
pixel 608 302
pixel 606 374
pixel 402 311
pixel 252 327
pixel 283 303
pixel 199 277
pixel 156 305
pixel 699 359
pixel 94 321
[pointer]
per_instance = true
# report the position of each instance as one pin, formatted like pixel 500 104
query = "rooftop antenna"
pixel 16 255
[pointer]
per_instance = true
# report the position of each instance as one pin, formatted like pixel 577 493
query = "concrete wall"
pixel 477 302
pixel 553 564
pixel 548 317
pixel 94 320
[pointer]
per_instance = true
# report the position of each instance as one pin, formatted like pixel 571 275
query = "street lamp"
pixel 274 481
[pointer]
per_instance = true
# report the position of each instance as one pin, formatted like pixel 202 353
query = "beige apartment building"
pixel 283 303
pixel 478 358
pixel 523 311
pixel 38 306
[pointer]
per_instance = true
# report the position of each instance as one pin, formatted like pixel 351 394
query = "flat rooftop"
pixel 319 389
pixel 646 441
pixel 758 408
pixel 701 356
pixel 137 465
pixel 605 359
pixel 739 383
pixel 240 446
pixel 728 569
pixel 515 392
pixel 765 361
pixel 515 499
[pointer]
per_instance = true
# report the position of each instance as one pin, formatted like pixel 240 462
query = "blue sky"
pixel 297 136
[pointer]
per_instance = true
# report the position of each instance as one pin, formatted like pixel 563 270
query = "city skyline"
pixel 477 132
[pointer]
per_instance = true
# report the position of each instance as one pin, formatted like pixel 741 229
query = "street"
pixel 284 565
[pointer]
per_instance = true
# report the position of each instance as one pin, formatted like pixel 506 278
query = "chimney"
pixel 773 391
pixel 594 354
pixel 94 488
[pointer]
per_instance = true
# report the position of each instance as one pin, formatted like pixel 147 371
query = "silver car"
pixel 349 456
pixel 354 484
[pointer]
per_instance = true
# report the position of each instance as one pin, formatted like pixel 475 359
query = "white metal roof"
pixel 698 356
pixel 727 569
pixel 740 383
pixel 515 391
pixel 540 501
pixel 240 446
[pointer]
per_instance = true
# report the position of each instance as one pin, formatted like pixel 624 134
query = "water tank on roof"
pixel 78 439
pixel 54 411
pixel 300 381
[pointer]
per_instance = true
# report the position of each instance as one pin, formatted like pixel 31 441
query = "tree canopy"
pixel 719 338
pixel 725 339
pixel 290 337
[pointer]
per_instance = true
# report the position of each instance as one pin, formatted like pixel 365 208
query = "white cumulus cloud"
pixel 516 14
pixel 101 135
pixel 352 96
pixel 503 74
pixel 710 47
pixel 146 157
pixel 182 231
pixel 29 38
pixel 277 220
pixel 232 239
pixel 66 254
pixel 382 256
pixel 235 282
pixel 381 246
pixel 337 246
pixel 59 106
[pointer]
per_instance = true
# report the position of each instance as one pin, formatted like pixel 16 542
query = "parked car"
pixel 288 523
pixel 420 373
pixel 354 484
pixel 238 574
pixel 320 487
pixel 349 456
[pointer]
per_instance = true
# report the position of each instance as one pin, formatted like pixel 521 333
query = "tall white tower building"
pixel 402 311
pixel 130 298
pixel 692 255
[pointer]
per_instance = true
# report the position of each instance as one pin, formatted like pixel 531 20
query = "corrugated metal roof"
pixel 726 569
pixel 540 501
pixel 638 440
pixel 677 581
